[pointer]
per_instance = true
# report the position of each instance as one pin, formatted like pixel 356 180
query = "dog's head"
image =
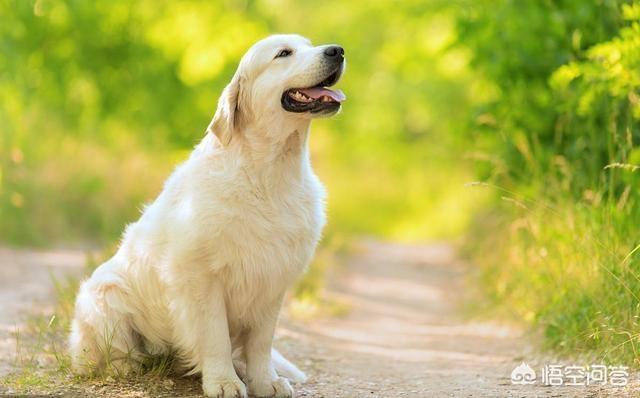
pixel 281 78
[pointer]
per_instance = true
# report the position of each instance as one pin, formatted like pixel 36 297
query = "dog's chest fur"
pixel 269 240
pixel 221 217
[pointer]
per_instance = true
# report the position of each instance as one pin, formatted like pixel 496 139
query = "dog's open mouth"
pixel 316 99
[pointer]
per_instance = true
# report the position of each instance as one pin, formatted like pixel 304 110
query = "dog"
pixel 203 272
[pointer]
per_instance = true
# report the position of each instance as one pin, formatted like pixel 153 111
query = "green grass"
pixel 571 269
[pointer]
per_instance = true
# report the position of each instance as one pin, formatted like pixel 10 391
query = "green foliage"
pixel 564 126
pixel 517 46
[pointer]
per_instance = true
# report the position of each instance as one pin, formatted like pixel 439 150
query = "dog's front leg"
pixel 262 379
pixel 219 378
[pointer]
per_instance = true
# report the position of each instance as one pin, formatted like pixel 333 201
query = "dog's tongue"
pixel 319 92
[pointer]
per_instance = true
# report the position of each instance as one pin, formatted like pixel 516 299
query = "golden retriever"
pixel 203 272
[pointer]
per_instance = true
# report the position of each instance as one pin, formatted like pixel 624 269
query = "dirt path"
pixel 402 337
pixel 26 287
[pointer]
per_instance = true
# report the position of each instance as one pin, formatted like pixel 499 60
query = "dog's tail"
pixel 286 369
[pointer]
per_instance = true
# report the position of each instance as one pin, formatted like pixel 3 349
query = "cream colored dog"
pixel 204 271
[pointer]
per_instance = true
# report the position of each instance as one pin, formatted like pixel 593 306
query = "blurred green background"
pixel 101 99
pixel 536 101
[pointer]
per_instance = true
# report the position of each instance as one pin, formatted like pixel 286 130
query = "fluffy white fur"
pixel 204 270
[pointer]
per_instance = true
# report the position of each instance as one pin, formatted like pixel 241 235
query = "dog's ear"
pixel 228 118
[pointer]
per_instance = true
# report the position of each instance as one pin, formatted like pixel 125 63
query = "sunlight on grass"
pixel 565 270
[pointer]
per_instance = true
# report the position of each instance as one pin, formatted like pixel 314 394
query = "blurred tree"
pixel 102 98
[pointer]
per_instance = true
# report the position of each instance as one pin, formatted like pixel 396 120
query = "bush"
pixel 563 131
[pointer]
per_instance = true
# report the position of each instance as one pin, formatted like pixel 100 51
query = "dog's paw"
pixel 229 388
pixel 278 388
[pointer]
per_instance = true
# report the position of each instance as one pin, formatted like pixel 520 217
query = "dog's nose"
pixel 334 52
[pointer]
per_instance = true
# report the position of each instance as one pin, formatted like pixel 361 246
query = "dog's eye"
pixel 284 53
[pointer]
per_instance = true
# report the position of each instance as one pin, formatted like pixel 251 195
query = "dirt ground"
pixel 403 335
pixel 26 287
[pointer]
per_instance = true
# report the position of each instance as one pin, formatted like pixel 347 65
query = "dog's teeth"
pixel 300 97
